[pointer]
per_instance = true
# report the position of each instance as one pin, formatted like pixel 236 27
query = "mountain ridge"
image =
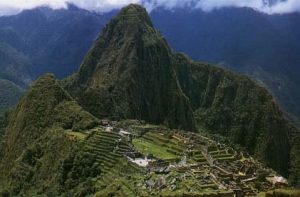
pixel 264 47
pixel 37 118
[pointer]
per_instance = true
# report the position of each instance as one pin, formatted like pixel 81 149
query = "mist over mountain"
pixel 102 6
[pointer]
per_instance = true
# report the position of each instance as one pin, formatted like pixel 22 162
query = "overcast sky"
pixel 8 7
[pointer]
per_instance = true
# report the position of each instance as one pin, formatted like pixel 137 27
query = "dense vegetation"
pixel 36 135
pixel 128 74
pixel 236 107
pixel 281 193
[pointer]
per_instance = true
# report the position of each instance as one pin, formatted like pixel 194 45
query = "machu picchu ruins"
pixel 177 161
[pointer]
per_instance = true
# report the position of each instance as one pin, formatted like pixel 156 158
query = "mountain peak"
pixel 129 73
pixel 127 31
pixel 133 8
pixel 134 13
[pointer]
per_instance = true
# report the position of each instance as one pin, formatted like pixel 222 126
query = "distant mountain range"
pixel 43 40
pixel 265 47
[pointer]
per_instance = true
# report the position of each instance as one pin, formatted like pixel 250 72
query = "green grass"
pixel 282 193
pixel 198 160
pixel 222 156
pixel 225 158
pixel 261 194
pixel 153 136
pixel 164 140
pixel 183 192
pixel 218 152
pixel 147 147
pixel 77 135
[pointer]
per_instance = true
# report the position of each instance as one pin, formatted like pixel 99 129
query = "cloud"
pixel 284 7
pixel 8 7
pixel 208 5
pixel 13 6
pixel 266 6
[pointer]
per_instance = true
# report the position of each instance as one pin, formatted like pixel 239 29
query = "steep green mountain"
pixel 36 134
pixel 129 73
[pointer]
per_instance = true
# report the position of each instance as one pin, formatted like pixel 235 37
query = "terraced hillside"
pixel 106 147
pixel 139 159
pixel 143 160
pixel 167 162
pixel 147 160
